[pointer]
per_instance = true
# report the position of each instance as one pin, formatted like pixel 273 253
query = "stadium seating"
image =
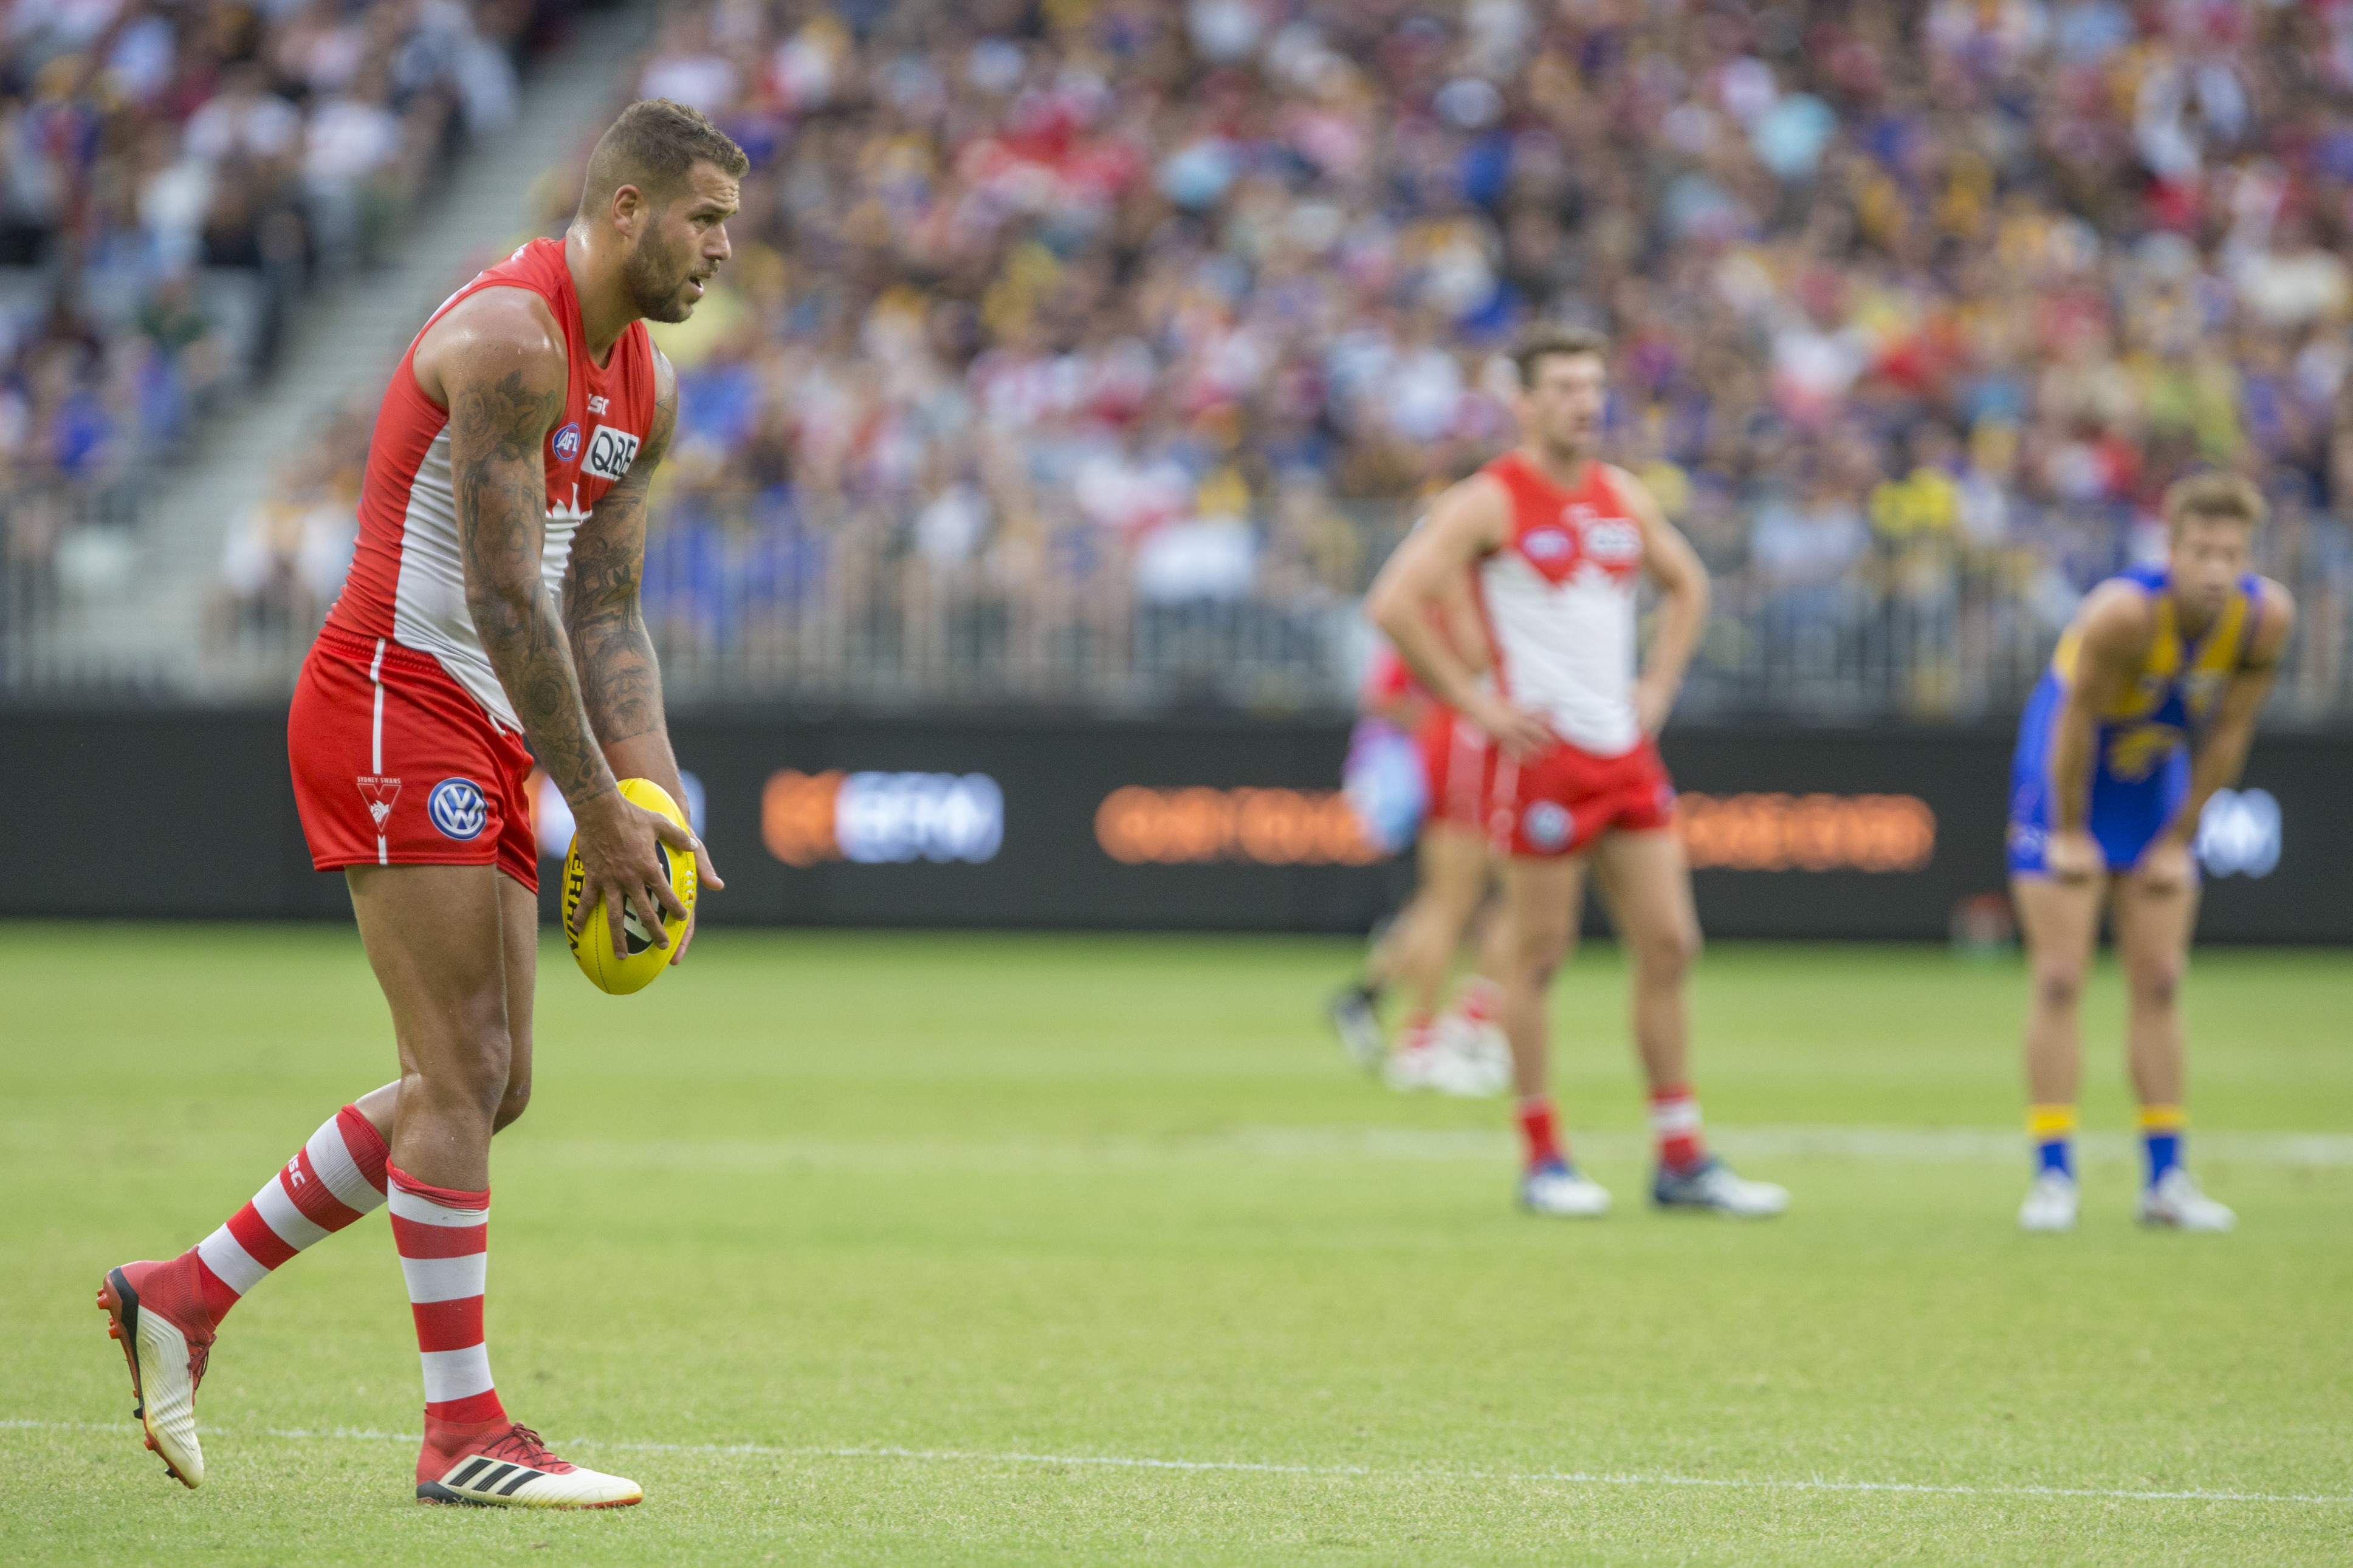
pixel 1036 310
pixel 1102 349
pixel 173 176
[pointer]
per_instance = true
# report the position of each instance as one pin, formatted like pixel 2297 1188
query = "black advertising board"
pixel 1198 823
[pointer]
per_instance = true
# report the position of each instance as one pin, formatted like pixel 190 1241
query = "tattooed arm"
pixel 496 362
pixel 620 680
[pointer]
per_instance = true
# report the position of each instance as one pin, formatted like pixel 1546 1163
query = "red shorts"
pixel 1461 761
pixel 397 765
pixel 1560 802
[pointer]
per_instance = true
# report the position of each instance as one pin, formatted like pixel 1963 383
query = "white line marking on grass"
pixel 1920 1145
pixel 1247 1467
pixel 1931 1145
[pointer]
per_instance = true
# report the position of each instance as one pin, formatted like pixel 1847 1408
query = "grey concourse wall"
pixel 172 812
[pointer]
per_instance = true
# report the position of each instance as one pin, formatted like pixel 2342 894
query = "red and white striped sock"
pixel 332 1180
pixel 1674 1122
pixel 1540 1133
pixel 444 1237
pixel 1480 1000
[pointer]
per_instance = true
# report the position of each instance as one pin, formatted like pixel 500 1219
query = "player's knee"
pixel 468 1076
pixel 1665 957
pixel 1541 952
pixel 2155 984
pixel 2058 988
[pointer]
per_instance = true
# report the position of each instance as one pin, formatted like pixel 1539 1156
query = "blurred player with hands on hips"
pixel 1557 543
pixel 2147 710
pixel 507 473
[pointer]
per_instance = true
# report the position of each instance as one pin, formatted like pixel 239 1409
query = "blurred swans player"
pixel 2147 709
pixel 1558 541
pixel 510 464
pixel 1459 1051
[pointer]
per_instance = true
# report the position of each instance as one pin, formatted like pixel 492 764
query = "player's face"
pixel 680 246
pixel 1561 409
pixel 2208 557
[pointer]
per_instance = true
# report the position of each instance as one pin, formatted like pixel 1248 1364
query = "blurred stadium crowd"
pixel 1073 342
pixel 172 174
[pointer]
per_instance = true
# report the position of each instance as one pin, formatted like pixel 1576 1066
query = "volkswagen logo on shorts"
pixel 457 808
pixel 1547 824
pixel 566 443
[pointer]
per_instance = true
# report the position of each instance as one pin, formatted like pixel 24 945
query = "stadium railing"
pixel 764 597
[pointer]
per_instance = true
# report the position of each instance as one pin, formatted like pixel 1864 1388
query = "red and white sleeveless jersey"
pixel 1560 602
pixel 407 580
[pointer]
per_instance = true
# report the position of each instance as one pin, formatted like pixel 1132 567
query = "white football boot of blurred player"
pixel 2176 1201
pixel 2050 1204
pixel 1563 1190
pixel 1415 1062
pixel 1471 1060
pixel 1713 1186
pixel 1484 1045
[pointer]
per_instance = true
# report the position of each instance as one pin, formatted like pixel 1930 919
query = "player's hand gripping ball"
pixel 592 942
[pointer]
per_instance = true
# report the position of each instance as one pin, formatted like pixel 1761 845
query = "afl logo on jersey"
pixel 1547 544
pixel 566 443
pixel 457 808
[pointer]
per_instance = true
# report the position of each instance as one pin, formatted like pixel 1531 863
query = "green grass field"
pixel 962 1249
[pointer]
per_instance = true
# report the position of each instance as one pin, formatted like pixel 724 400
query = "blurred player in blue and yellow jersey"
pixel 2147 710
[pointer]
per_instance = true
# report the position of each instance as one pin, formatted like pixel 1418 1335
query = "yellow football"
pixel 591 938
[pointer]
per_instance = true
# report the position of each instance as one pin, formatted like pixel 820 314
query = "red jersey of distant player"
pixel 405 748
pixel 1558 602
pixel 1457 757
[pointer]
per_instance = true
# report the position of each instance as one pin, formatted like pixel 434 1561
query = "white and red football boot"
pixel 157 1311
pixel 503 1464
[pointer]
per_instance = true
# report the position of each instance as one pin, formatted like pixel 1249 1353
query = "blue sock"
pixel 2162 1128
pixel 2052 1128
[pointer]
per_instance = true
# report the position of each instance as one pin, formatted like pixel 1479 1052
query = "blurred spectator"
pixel 144 141
pixel 282 565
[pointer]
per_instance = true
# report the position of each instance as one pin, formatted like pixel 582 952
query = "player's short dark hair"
pixel 2227 498
pixel 1545 339
pixel 654 145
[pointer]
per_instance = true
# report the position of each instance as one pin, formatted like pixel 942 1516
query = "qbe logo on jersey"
pixel 457 809
pixel 610 452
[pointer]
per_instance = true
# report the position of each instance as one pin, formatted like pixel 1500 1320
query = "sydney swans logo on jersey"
pixel 610 452
pixel 457 809
pixel 565 443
